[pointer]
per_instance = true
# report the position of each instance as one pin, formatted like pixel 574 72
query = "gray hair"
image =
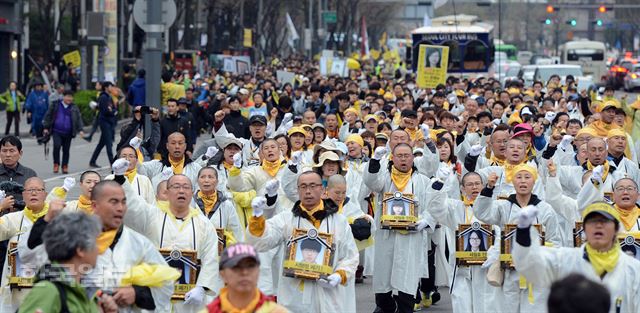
pixel 68 232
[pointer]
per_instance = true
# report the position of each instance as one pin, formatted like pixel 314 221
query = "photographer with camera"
pixel 10 154
pixel 62 122
pixel 137 125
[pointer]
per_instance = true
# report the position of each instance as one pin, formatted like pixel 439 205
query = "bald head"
pixel 597 151
pixel 336 180
pixel 34 181
pixel 176 146
pixel 100 189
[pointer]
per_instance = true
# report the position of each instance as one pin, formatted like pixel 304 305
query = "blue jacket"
pixel 136 93
pixel 37 103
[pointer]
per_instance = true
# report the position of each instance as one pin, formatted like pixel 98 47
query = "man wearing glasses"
pixel 179 228
pixel 625 196
pixel 498 148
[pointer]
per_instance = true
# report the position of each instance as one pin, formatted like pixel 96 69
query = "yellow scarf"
pixel 131 174
pixel 400 179
pixel 227 307
pixel 602 128
pixel 340 206
pixel 310 212
pixel 105 239
pixel 414 134
pixel 177 167
pixel 271 168
pixel 509 172
pixel 33 217
pixel 603 262
pixel 84 204
pixel 209 201
pixel 606 169
pixel 227 166
pixel 468 215
pixel 495 161
pixel 628 217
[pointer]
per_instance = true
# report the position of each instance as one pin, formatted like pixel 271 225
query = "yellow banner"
pixel 22 281
pixel 247 39
pixel 324 269
pixel 506 257
pixel 432 65
pixel 72 57
pixel 407 218
pixel 182 288
pixel 471 255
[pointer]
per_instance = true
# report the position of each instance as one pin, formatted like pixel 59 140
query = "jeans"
pixel 107 133
pixel 64 141
pixel 13 116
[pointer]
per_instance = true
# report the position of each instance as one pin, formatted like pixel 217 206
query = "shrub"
pixel 82 99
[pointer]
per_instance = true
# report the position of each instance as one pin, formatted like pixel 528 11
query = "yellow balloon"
pixel 353 64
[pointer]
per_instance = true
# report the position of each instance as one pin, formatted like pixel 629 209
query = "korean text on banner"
pixel 72 57
pixel 432 65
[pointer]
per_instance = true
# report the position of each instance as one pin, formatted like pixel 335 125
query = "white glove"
pixel 597 173
pixel 549 116
pixel 496 122
pixel 296 157
pixel 237 160
pixel 527 216
pixel 195 296
pixel 424 128
pixel 287 117
pixel 421 224
pixel 271 187
pixel 120 166
pixel 566 142
pixel 493 256
pixel 211 152
pixel 68 184
pixel 287 125
pixel 475 150
pixel 330 282
pixel 166 173
pixel 379 153
pixel 135 142
pixel 2 195
pixel 258 204
pixel 443 173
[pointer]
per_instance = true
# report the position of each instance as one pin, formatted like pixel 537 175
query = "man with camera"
pixel 62 121
pixel 137 124
pixel 10 154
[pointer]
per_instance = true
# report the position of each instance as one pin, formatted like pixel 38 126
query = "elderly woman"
pixel 70 241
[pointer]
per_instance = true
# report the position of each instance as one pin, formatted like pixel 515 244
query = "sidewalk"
pixel 25 128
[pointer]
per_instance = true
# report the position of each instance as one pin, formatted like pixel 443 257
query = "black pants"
pixel 387 303
pixel 13 116
pixel 64 141
pixel 107 132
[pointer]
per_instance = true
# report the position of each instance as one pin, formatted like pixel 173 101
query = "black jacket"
pixel 131 130
pixel 237 124
pixel 171 124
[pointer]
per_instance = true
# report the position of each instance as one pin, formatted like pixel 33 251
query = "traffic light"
pixel 599 22
pixel 550 9
pixel 547 21
pixel 572 22
pixel 602 9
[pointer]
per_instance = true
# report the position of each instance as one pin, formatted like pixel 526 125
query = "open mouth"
pixel 182 198
pixel 598 235
pixel 625 198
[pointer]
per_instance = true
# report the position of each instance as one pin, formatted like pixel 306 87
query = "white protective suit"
pixel 400 259
pixel 501 212
pixel 165 231
pixel 299 295
pixel 566 209
pixel 143 187
pixel 153 169
pixel 542 266
pixel 255 178
pixel 503 188
pixel 223 215
pixel 571 179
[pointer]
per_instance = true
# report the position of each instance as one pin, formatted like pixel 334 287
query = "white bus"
pixel 590 55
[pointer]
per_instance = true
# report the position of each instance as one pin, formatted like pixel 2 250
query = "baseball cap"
pixel 602 208
pixel 409 113
pixel 233 254
pixel 258 119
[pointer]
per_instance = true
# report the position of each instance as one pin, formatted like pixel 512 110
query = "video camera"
pixel 14 189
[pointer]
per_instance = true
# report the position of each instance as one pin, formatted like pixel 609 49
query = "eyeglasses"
pixel 183 187
pixel 627 189
pixel 310 186
pixel 34 190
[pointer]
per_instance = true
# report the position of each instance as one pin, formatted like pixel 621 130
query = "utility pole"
pixel 310 28
pixel 83 44
pixel 153 60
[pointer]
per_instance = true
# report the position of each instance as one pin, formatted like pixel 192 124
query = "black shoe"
pixel 94 165
pixel 87 138
pixel 435 297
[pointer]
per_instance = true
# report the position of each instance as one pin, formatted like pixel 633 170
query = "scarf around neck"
pixel 400 179
pixel 603 262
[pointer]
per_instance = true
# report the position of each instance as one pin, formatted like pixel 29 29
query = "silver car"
pixel 632 78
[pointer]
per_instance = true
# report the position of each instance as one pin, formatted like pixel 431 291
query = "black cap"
pixel 439 94
pixel 258 119
pixel 361 229
pixel 183 101
pixel 409 113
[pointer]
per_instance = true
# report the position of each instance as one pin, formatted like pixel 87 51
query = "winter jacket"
pixel 7 100
pixel 136 93
pixel 76 118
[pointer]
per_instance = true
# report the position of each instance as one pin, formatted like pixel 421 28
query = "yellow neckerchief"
pixel 606 169
pixel 177 167
pixel 105 239
pixel 414 134
pixel 84 204
pixel 186 219
pixel 400 179
pixel 271 168
pixel 33 217
pixel 495 161
pixel 340 206
pixel 628 217
pixel 227 307
pixel 602 128
pixel 227 166
pixel 162 205
pixel 603 262
pixel 468 215
pixel 508 171
pixel 209 201
pixel 131 174
pixel 317 208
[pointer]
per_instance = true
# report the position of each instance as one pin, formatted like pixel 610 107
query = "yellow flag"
pixel 248 40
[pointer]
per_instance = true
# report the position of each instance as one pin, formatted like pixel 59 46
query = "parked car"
pixel 618 71
pixel 632 79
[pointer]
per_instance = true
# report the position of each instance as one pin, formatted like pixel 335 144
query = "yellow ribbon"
pixel 149 275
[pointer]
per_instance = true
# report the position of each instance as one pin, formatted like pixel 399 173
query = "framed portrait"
pixel 508 242
pixel 398 211
pixel 19 275
pixel 310 255
pixel 578 235
pixel 472 242
pixel 185 261
pixel 222 240
pixel 630 244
